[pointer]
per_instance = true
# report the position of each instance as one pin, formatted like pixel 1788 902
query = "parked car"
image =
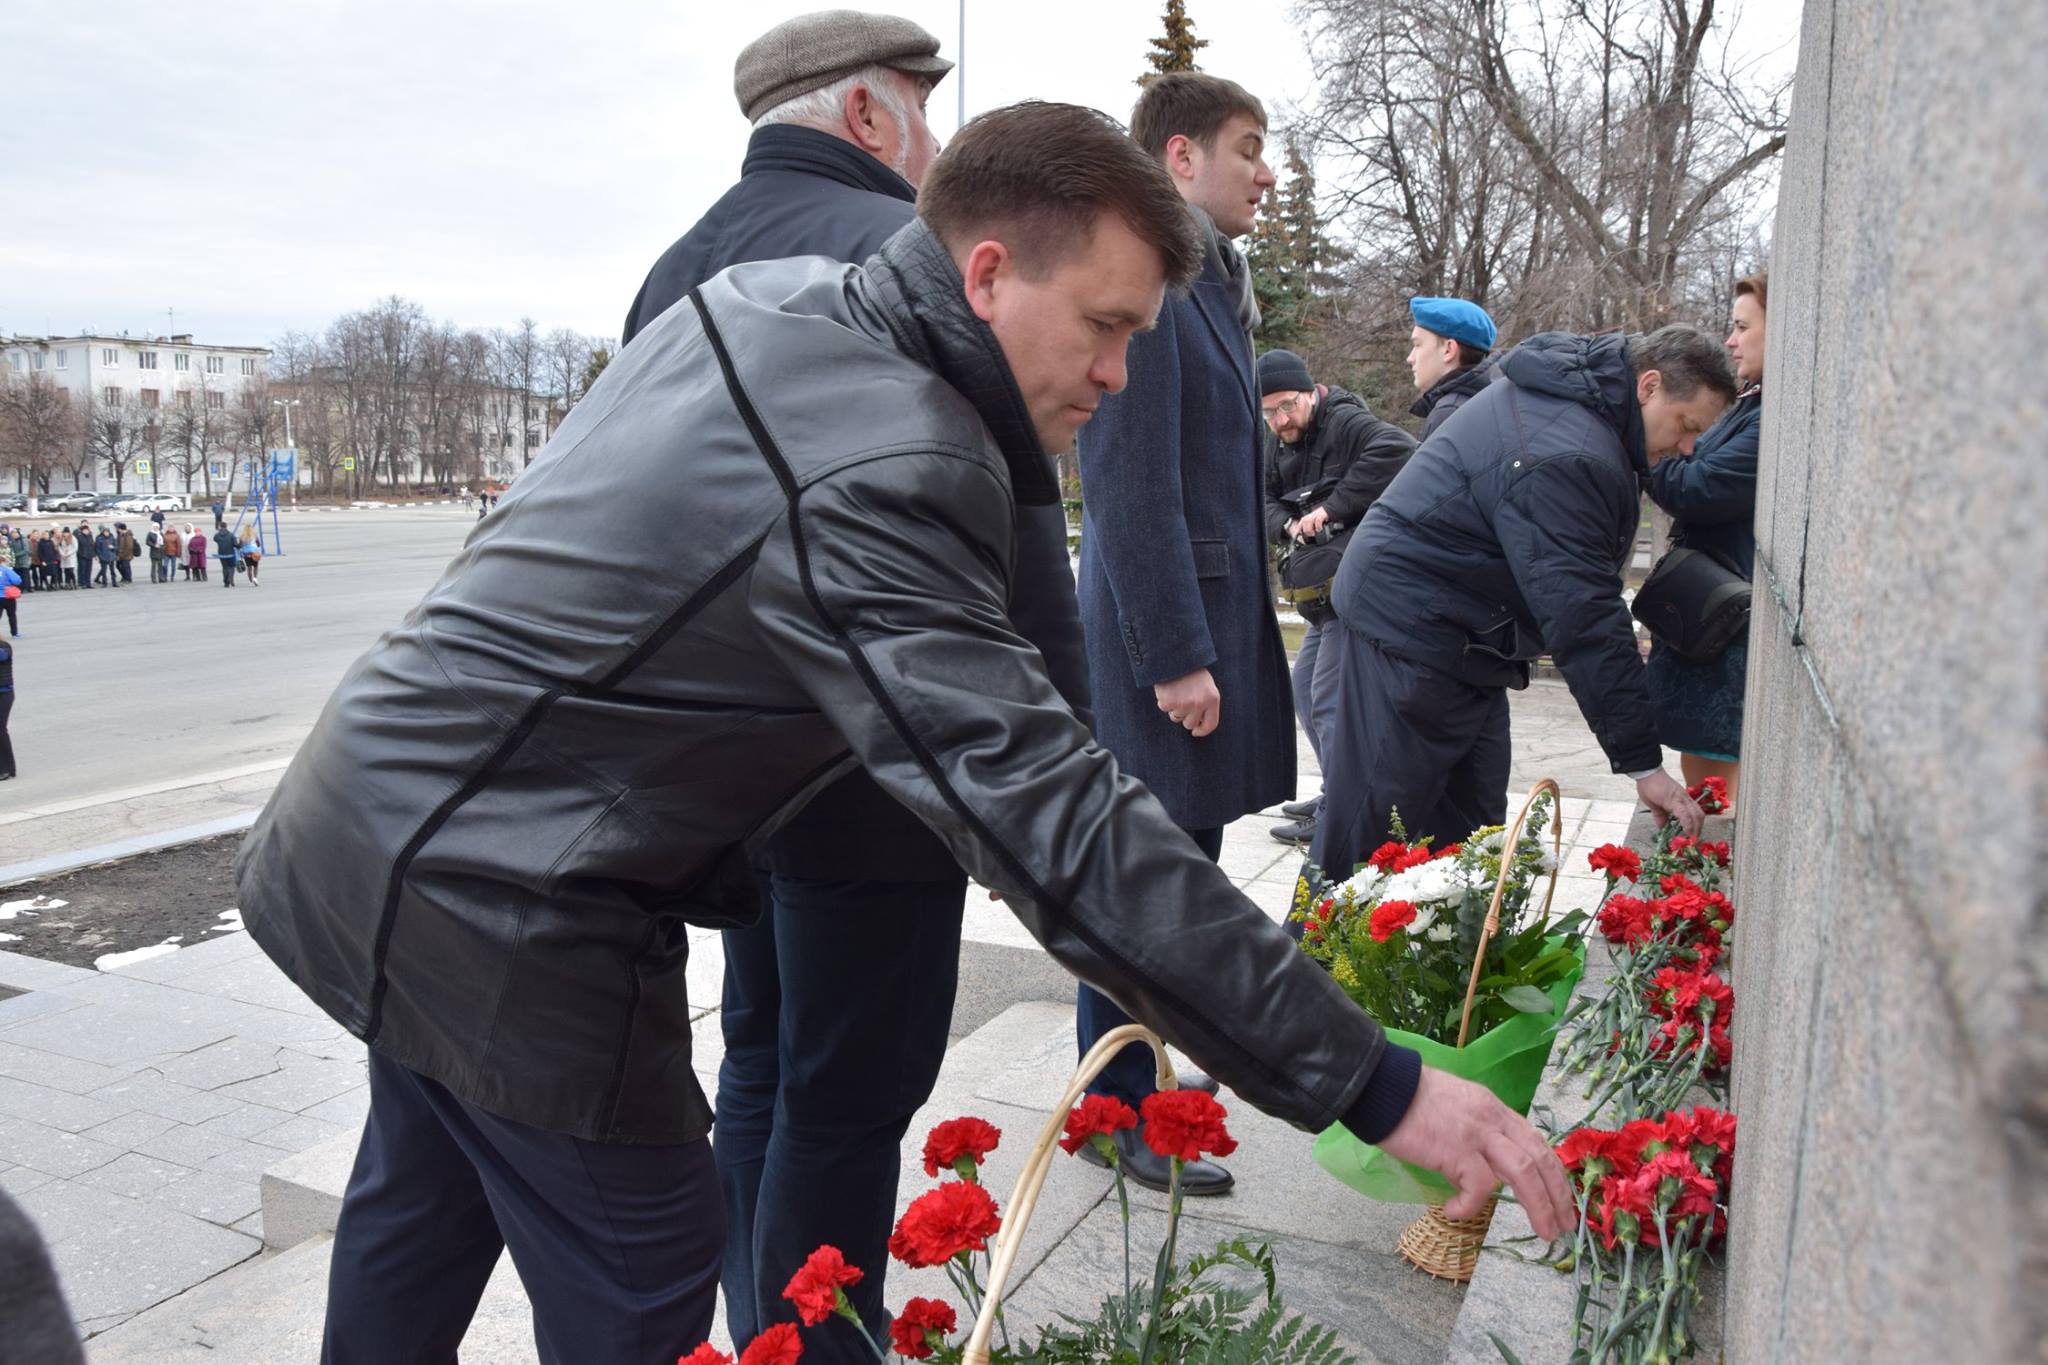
pixel 77 501
pixel 150 502
pixel 12 502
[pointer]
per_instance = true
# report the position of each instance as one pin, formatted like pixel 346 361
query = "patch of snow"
pixel 10 938
pixel 231 922
pixel 108 962
pixel 34 905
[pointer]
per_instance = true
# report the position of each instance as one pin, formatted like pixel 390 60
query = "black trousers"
pixel 6 744
pixel 618 1246
pixel 13 620
pixel 836 1009
pixel 1406 738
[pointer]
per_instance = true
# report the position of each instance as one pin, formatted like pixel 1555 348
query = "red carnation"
pixel 814 1289
pixel 1711 793
pixel 1624 919
pixel 1389 916
pixel 777 1345
pixel 1620 864
pixel 1096 1114
pixel 960 1145
pixel 1386 855
pixel 1450 850
pixel 942 1223
pixel 912 1331
pixel 707 1354
pixel 1186 1124
pixel 1416 856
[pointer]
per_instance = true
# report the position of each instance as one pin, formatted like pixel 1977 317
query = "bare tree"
pixel 40 429
pixel 519 364
pixel 116 434
pixel 1562 162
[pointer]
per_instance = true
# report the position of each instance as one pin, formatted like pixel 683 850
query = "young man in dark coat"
pixel 1447 351
pixel 1327 461
pixel 1185 663
pixel 227 553
pixel 485 858
pixel 104 547
pixel 1505 538
pixel 813 1097
pixel 88 553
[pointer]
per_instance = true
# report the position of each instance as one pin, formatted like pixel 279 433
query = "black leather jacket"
pixel 483 859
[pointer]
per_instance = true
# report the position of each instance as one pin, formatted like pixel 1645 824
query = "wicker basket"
pixel 1448 1248
pixel 1024 1197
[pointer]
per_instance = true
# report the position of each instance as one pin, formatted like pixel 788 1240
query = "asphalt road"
pixel 149 684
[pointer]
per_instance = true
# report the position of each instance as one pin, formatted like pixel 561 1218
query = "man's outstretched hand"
pixel 1666 797
pixel 1460 1129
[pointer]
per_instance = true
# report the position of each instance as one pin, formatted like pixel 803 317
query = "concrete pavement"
pixel 152 707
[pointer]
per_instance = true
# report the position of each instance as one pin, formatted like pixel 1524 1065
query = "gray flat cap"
pixel 811 51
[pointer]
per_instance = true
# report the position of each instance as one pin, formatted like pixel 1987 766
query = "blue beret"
pixel 1456 319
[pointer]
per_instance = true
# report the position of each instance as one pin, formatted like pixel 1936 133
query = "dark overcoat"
pixel 1173 565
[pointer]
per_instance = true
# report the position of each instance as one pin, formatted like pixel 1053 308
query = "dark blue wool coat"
pixel 1173 565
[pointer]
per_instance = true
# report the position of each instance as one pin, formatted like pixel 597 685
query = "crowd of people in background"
pixel 68 559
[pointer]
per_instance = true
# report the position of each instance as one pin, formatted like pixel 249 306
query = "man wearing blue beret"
pixel 1447 355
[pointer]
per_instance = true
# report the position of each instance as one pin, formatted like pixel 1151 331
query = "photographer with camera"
pixel 1328 460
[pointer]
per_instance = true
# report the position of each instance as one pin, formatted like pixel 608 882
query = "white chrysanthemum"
pixel 1438 880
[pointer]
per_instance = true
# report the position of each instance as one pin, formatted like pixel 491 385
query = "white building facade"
pixel 153 376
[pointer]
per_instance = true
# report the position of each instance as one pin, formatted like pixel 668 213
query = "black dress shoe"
pixel 1191 1079
pixel 1303 810
pixel 1300 832
pixel 1143 1166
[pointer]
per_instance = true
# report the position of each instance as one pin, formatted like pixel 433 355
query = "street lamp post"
pixel 288 404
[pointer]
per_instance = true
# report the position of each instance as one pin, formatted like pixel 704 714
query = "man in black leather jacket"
pixel 815 1091
pixel 486 856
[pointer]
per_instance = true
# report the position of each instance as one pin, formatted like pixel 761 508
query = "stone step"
pixel 302 1194
pixel 272 1309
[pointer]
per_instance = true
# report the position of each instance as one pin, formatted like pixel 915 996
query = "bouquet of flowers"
pixel 1652 1196
pixel 1662 1024
pixel 1401 937
pixel 1184 1313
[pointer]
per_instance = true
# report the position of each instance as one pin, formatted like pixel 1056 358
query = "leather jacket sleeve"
pixel 884 594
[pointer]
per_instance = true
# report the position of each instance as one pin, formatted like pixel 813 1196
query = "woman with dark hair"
pixel 1711 497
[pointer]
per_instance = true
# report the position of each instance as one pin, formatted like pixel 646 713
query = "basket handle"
pixel 1038 1163
pixel 1510 843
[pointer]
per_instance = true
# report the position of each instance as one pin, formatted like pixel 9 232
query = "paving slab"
pixel 122 1038
pixel 272 1311
pixel 51 1150
pixel 149 1092
pixel 117 1255
pixel 1380 1308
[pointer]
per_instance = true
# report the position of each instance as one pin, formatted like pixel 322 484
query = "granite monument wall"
pixel 1891 1033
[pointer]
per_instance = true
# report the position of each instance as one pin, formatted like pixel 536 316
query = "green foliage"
pixel 599 358
pixel 1175 49
pixel 1204 1319
pixel 1292 259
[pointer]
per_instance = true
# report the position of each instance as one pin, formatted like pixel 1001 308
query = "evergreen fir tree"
pixel 1175 49
pixel 1290 257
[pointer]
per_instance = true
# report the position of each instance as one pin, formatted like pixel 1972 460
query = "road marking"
pixel 134 793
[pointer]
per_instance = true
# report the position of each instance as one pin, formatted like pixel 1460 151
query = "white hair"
pixel 825 107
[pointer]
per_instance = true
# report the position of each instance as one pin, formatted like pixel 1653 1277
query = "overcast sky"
pixel 264 167
pixel 260 167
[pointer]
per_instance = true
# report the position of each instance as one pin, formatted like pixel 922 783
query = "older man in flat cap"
pixel 837 103
pixel 816 1090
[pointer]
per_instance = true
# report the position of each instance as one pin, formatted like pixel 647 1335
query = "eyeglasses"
pixel 1284 408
